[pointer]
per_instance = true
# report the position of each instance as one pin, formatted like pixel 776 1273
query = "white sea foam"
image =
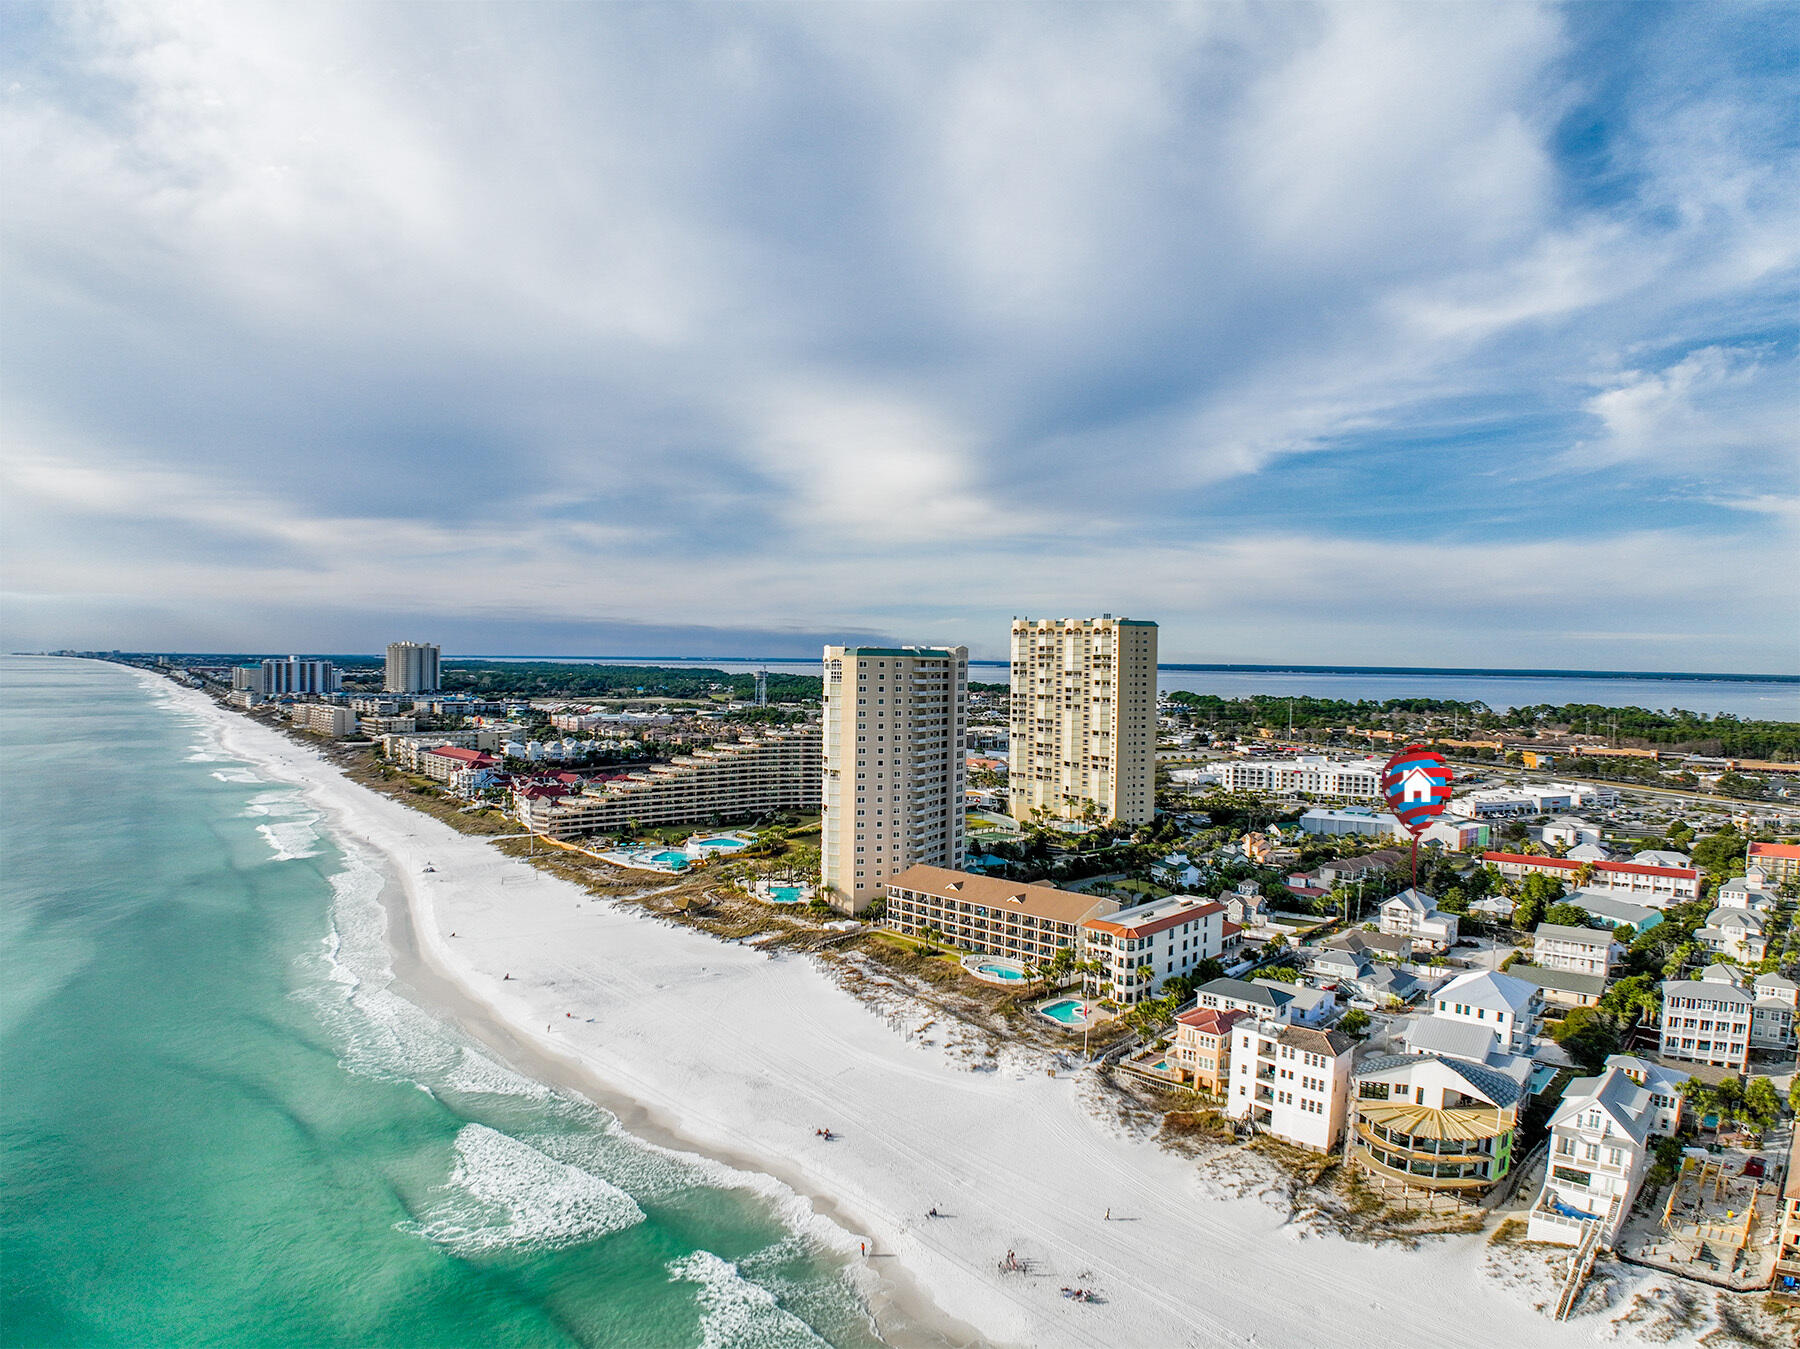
pixel 243 775
pixel 736 1313
pixel 506 1195
pixel 475 1072
pixel 290 840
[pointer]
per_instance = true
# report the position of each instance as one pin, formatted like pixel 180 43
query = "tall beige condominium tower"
pixel 412 667
pixel 896 721
pixel 1083 719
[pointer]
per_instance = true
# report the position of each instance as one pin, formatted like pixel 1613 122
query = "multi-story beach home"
pixel 895 728
pixel 1667 1104
pixel 1737 933
pixel 1655 886
pixel 1599 1149
pixel 1775 1016
pixel 1201 1053
pixel 1707 1020
pixel 1413 914
pixel 1509 1007
pixel 1083 723
pixel 1027 923
pixel 1787 1237
pixel 1290 1081
pixel 1580 950
pixel 1562 988
pixel 778 770
pixel 1138 949
pixel 1427 1125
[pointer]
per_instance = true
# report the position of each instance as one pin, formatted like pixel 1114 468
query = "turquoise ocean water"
pixel 221 1126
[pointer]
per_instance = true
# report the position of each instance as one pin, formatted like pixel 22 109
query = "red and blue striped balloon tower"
pixel 1416 785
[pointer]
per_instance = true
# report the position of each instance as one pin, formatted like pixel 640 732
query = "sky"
pixel 1433 334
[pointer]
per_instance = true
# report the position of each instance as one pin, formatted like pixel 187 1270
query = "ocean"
pixel 224 1124
pixel 1756 699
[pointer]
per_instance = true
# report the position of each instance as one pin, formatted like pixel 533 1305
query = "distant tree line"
pixel 1637 727
pixel 544 679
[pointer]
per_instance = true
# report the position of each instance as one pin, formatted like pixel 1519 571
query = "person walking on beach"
pixel 865 1248
pixel 1108 1215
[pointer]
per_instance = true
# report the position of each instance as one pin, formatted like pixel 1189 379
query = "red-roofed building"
pixel 445 762
pixel 1654 887
pixel 1780 862
pixel 1202 1049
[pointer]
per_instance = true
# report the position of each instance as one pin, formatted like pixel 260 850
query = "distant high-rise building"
pixel 412 667
pixel 1083 719
pixel 896 720
pixel 247 678
pixel 294 675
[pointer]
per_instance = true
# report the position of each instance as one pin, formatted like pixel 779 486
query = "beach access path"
pixel 746 1055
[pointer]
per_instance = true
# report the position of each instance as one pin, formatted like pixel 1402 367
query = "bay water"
pixel 222 1123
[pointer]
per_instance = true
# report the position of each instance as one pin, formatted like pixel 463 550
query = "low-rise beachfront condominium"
pixel 1137 949
pixel 1432 1124
pixel 412 667
pixel 779 770
pixel 1707 1020
pixel 1028 923
pixel 1290 1081
pixel 1313 774
pixel 1083 719
pixel 896 725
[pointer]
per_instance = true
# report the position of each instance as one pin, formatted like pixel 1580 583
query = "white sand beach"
pixel 744 1056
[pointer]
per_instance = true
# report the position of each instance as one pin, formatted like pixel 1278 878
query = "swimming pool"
pixel 727 843
pixel 786 894
pixel 675 861
pixel 994 969
pixel 1066 1012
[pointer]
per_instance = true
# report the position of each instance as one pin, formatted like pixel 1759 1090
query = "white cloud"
pixel 1714 406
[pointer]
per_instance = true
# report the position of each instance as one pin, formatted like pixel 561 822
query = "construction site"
pixel 1720 1222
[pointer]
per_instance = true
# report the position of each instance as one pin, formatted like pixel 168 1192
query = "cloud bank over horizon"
pixel 1427 335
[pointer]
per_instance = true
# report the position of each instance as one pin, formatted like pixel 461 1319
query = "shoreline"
pixel 729 1054
pixel 902 1311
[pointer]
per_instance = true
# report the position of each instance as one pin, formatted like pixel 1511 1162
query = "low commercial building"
pixel 1202 1050
pixel 779 770
pixel 1615 910
pixel 1427 1125
pixel 1354 820
pixel 1028 923
pixel 1707 1020
pixel 1580 950
pixel 1656 886
pixel 1139 948
pixel 325 719
pixel 1456 835
pixel 1413 914
pixel 1290 1082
